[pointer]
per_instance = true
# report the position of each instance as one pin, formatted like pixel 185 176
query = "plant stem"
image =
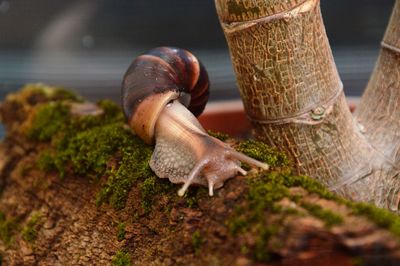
pixel 379 110
pixel 294 99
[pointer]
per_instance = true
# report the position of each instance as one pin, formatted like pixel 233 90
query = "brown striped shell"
pixel 156 78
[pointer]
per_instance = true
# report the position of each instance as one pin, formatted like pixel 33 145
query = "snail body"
pixel 162 91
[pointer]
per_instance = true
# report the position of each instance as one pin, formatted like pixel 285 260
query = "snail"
pixel 162 92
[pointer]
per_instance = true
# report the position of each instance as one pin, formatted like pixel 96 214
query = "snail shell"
pixel 158 77
pixel 162 91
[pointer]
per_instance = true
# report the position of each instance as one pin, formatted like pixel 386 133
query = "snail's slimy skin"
pixel 162 92
pixel 185 153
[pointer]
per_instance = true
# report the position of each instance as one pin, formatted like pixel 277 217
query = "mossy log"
pixel 76 189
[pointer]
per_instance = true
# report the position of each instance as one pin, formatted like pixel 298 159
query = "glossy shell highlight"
pixel 158 77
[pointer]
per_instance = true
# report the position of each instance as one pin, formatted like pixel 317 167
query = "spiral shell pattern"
pixel 165 69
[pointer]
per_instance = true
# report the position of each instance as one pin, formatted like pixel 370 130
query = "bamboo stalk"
pixel 379 110
pixel 294 98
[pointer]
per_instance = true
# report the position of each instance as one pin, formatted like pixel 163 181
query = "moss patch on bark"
pixel 8 228
pixel 104 150
pixel 30 230
pixel 122 258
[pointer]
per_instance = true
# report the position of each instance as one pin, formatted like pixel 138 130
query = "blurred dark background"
pixel 88 44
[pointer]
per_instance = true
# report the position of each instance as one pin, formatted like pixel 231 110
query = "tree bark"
pixel 379 109
pixel 303 225
pixel 294 98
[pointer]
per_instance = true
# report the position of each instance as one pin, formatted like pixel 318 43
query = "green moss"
pixel 8 228
pixel 65 94
pixel 48 121
pixel 261 246
pixel 112 110
pixel 121 231
pixel 86 145
pixel 30 230
pixel 238 223
pixel 148 190
pixel 85 152
pixel 45 161
pixel 381 217
pixel 96 146
pixel 90 150
pixel 152 187
pixel 121 258
pixel 265 192
pixel 132 166
pixel 330 218
pixel 197 241
pixel 244 249
pixel 312 186
pixel 39 92
pixel 219 135
pixel 193 196
pixel 262 152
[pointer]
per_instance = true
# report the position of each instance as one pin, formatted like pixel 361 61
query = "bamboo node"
pixel 390 47
pixel 312 115
pixel 318 113
pixel 301 8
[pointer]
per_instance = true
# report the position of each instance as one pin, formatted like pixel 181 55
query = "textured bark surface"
pixel 379 110
pixel 308 226
pixel 294 98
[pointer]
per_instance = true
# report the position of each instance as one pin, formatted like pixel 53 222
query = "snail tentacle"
pixel 211 187
pixel 246 159
pixel 193 174
pixel 241 170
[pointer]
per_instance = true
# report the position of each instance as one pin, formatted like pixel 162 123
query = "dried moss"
pixel 121 258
